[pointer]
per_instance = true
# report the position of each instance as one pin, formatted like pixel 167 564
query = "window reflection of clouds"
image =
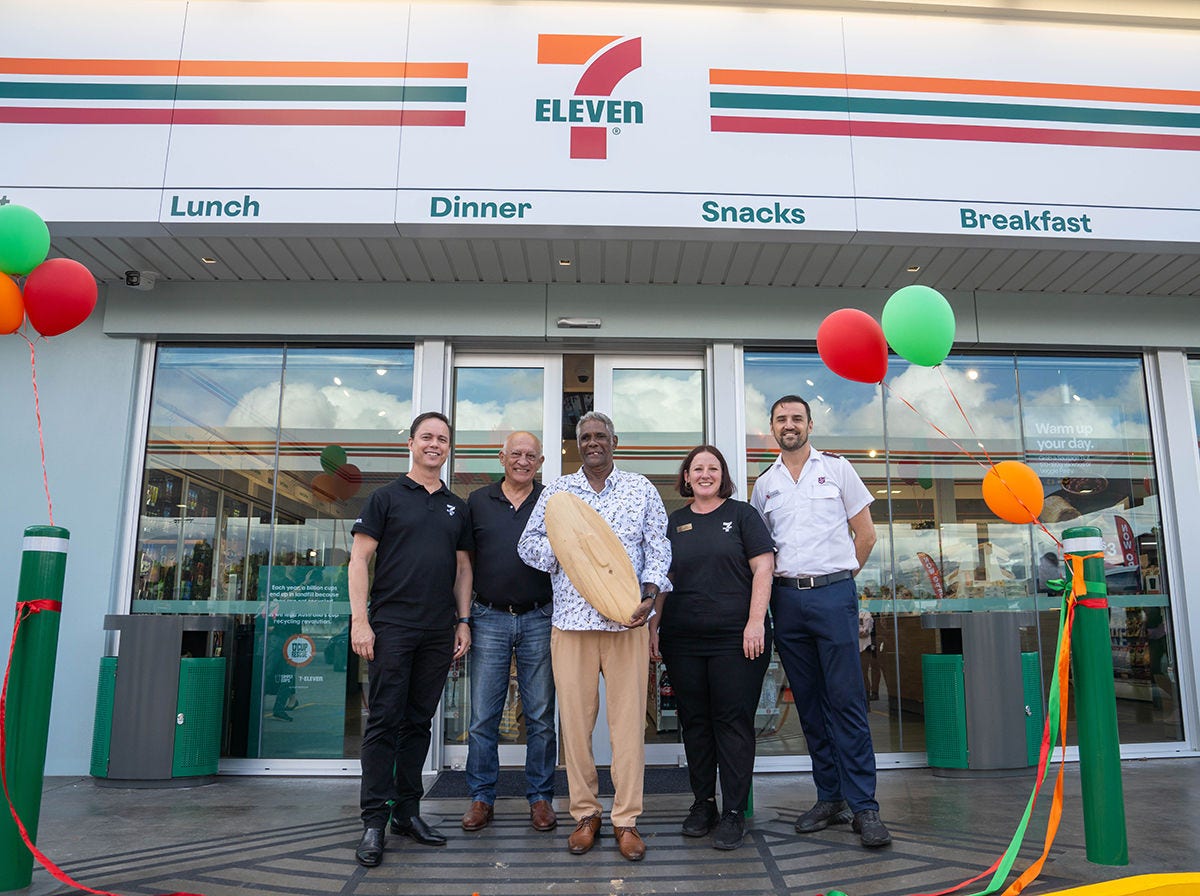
pixel 306 406
pixel 658 401
pixel 836 412
pixel 988 402
pixel 199 386
pixel 1111 395
pixel 498 400
pixel 222 386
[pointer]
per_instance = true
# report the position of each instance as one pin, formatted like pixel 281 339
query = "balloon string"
pixel 936 428
pixel 979 441
pixel 37 413
pixel 990 465
pixel 958 405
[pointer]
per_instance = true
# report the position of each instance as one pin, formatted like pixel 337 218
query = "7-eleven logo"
pixel 590 110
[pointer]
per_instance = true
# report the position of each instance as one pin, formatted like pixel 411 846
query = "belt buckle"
pixel 810 581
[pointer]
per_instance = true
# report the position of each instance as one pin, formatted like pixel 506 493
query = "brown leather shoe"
pixel 478 817
pixel 584 836
pixel 630 843
pixel 541 814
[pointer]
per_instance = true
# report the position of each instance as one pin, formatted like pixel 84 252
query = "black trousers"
pixel 404 684
pixel 717 697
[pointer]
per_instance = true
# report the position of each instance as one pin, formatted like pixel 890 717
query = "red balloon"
pixel 59 295
pixel 347 480
pixel 12 309
pixel 852 345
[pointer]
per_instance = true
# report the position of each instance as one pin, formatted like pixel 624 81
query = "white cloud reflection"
pixel 306 406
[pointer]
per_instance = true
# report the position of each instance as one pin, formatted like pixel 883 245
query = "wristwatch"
pixel 465 619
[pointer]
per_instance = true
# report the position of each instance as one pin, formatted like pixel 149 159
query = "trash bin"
pixel 158 712
pixel 983 701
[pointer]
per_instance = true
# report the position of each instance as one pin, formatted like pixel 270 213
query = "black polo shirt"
pixel 500 576
pixel 415 564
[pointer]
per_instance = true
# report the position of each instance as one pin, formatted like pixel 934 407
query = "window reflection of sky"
pixel 326 388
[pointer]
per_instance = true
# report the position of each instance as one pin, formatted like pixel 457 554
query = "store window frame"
pixel 126 562
pixel 1156 437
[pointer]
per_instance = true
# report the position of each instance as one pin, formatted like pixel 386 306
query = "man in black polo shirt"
pixel 417 623
pixel 511 614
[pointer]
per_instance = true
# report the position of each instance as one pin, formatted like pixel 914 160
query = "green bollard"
pixel 1096 706
pixel 30 686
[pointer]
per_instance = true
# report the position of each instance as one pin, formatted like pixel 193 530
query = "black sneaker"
pixel 701 819
pixel 822 815
pixel 870 829
pixel 730 831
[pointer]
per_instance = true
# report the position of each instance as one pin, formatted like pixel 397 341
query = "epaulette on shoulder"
pixel 830 454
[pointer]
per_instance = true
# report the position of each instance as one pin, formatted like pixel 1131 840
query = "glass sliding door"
pixel 658 405
pixel 491 397
pixel 258 460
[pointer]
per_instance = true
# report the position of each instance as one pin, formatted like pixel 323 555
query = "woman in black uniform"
pixel 712 632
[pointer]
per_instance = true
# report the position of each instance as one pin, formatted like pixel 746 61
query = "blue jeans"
pixel 495 636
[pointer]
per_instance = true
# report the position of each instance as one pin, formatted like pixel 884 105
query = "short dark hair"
pixel 429 415
pixel 790 399
pixel 681 483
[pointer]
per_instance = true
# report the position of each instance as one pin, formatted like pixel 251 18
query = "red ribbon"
pixel 26 609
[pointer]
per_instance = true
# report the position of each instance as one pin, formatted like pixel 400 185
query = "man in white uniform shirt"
pixel 584 645
pixel 819 513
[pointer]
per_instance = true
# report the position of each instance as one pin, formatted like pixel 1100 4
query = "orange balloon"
pixel 12 306
pixel 1013 492
pixel 347 480
pixel 325 486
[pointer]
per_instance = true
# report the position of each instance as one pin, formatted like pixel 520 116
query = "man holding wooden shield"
pixel 584 642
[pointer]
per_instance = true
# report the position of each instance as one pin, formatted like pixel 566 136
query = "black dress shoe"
pixel 370 848
pixel 415 828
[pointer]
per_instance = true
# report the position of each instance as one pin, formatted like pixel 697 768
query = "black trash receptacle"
pixel 159 713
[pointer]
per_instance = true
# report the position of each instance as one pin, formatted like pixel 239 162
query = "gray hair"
pixel 595 415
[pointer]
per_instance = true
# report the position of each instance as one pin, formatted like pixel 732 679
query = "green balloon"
pixel 918 323
pixel 24 240
pixel 926 482
pixel 333 457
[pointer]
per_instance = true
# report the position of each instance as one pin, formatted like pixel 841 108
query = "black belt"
pixel 512 609
pixel 804 583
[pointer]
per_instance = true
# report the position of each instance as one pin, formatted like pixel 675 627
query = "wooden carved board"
pixel 592 557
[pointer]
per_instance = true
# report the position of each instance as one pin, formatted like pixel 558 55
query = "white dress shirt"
pixel 808 517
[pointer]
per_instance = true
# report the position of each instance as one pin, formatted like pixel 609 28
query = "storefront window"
pixel 258 460
pixel 1082 425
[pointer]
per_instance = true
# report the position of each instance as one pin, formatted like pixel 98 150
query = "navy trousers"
pixel 816 635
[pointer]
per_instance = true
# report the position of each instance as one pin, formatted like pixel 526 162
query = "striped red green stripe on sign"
pixel 218 92
pixel 902 107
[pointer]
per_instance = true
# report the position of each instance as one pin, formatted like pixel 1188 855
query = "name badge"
pixel 686 527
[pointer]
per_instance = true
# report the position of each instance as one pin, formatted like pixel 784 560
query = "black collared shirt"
pixel 501 578
pixel 415 564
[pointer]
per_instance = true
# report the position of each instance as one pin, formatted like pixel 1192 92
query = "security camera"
pixel 583 375
pixel 140 279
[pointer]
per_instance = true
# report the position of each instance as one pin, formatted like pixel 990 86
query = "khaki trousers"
pixel 623 658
